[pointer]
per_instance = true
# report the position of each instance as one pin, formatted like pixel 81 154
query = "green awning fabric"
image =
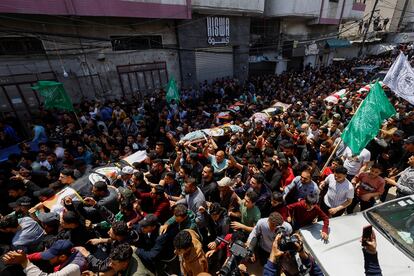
pixel 338 43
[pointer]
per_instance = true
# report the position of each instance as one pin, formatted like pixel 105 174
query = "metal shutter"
pixel 210 65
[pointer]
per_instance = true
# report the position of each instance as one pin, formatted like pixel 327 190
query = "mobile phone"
pixel 366 234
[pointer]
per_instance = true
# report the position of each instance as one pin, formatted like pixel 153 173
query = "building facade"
pixel 303 30
pixel 111 49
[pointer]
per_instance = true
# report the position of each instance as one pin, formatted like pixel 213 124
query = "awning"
pixel 369 40
pixel 380 49
pixel 338 43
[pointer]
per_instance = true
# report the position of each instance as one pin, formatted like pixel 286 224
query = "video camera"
pixel 238 253
pixel 287 242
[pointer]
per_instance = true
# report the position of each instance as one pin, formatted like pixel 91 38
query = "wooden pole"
pixel 77 119
pixel 337 145
pixel 331 156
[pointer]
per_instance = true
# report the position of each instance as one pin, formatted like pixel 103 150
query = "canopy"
pixel 338 43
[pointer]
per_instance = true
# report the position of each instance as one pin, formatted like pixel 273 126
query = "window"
pixel 336 1
pixel 142 42
pixel 20 46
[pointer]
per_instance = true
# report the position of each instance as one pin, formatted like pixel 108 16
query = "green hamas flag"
pixel 54 94
pixel 172 91
pixel 366 122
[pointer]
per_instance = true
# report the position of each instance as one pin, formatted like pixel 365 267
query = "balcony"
pixel 174 9
pixel 245 7
pixel 353 12
pixel 293 8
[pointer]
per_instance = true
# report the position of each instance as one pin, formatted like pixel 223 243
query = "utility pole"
pixel 402 15
pixel 367 29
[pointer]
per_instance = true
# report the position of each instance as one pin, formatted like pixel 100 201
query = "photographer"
pixel 292 260
pixel 264 234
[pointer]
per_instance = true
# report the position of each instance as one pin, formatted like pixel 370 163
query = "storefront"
pixel 213 47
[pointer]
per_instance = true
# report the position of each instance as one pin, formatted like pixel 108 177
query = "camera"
pixel 287 242
pixel 238 253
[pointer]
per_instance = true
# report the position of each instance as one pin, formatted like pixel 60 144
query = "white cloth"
pixel 69 270
pixel 354 163
pixel 400 78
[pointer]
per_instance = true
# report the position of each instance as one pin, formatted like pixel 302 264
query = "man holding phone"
pixel 369 249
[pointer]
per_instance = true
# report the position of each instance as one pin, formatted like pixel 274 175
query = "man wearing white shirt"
pixel 355 163
pixel 339 194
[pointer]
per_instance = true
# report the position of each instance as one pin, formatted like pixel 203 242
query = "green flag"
pixel 172 91
pixel 54 94
pixel 366 122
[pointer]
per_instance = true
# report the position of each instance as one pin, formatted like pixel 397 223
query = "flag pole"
pixel 77 119
pixel 337 145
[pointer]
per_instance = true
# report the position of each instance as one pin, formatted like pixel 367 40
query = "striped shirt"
pixel 405 183
pixel 337 193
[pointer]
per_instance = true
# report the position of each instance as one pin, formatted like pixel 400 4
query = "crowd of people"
pixel 183 209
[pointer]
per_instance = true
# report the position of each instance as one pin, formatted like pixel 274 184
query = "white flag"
pixel 400 78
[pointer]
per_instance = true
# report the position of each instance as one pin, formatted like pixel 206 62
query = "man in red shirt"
pixel 305 211
pixel 156 203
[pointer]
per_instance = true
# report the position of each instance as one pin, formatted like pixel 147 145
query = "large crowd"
pixel 184 209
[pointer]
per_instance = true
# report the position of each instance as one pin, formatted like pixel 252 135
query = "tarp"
pixel 338 43
pixel 215 132
pixel 380 49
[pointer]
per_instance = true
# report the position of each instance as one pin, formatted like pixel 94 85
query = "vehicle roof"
pixel 365 67
pixel 343 254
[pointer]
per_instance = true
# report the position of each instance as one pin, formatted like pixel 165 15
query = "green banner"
pixel 366 122
pixel 54 95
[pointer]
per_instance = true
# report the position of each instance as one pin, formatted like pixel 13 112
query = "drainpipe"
pixel 179 52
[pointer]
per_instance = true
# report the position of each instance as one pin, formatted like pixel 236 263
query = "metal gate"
pixel 141 79
pixel 18 98
pixel 211 65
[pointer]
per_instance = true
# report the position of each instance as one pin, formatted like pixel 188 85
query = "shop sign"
pixel 218 30
pixel 311 49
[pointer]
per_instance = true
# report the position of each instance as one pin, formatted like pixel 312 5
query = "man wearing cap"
pixel 50 222
pixel 152 247
pixel 408 147
pixel 124 179
pixel 335 119
pixel 228 199
pixel 66 262
pixel 27 233
pixel 305 211
pixel 21 206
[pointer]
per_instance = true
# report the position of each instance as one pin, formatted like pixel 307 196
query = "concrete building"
pixel 218 37
pixel 392 23
pixel 97 49
pixel 126 48
pixel 307 33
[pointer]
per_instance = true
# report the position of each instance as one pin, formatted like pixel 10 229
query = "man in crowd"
pixel 198 172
